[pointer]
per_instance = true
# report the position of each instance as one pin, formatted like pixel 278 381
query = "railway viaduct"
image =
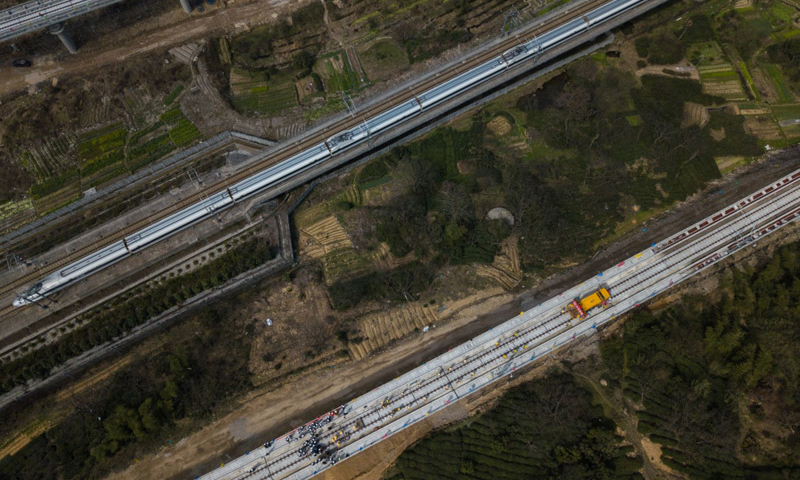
pixel 38 15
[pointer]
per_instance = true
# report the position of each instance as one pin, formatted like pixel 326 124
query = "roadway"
pixel 520 341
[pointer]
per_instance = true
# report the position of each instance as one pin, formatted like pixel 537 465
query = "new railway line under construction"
pixel 586 16
pixel 519 342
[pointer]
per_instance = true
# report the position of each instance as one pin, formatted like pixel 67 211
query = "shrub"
pixel 665 50
pixel 642 45
pixel 173 94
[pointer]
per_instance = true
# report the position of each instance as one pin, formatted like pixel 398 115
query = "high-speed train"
pixel 320 152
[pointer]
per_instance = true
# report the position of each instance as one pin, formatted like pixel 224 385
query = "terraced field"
pixel 380 329
pixel 337 73
pixel 788 116
pixel 781 86
pixel 505 269
pixel 722 80
pixel 253 93
pixel 14 214
pixel 763 127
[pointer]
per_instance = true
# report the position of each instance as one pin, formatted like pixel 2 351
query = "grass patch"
pixel 782 12
pixel 633 120
pixel 332 105
pixel 599 57
pixel 253 93
pixel 375 183
pixel 749 79
pixel 12 207
pixel 786 112
pixel 632 223
pixel 779 81
pixel 703 54
pixel 730 163
pixel 787 34
pixel 383 59
pixel 552 6
pixel 101 142
pixel 366 17
pixel 337 73
pixel 173 94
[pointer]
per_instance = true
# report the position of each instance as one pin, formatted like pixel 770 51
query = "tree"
pixel 303 61
pixel 123 424
pixel 168 395
pixel 455 204
pixel 149 415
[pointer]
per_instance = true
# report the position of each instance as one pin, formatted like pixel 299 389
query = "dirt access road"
pixel 223 20
pixel 266 415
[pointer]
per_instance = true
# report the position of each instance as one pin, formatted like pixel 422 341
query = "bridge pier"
pixel 187 6
pixel 59 31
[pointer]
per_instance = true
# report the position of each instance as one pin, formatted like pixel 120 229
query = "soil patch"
pixel 499 126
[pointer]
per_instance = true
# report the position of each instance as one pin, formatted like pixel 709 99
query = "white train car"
pixel 347 138
pixel 456 85
pixel 521 52
pixel 609 10
pixel 394 116
pixel 75 271
pixel 178 221
pixel 276 173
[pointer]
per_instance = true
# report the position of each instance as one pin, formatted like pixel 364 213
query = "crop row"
pixel 173 94
pixel 96 146
pixel 98 164
pixel 134 139
pixel 184 133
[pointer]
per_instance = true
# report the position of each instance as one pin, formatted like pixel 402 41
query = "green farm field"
pixel 252 92
pixel 779 81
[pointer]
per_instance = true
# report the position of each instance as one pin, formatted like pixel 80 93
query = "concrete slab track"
pixel 524 339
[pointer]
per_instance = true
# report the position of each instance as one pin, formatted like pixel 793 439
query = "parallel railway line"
pixel 16 243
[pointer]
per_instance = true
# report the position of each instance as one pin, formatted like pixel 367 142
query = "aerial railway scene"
pixel 349 239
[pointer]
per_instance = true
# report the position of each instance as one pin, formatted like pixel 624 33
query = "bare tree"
pixel 455 203
pixel 413 174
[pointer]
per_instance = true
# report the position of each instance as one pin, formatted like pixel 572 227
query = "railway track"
pixel 290 150
pixel 491 356
pixel 110 200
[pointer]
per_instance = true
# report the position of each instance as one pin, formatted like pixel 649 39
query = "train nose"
pixel 19 301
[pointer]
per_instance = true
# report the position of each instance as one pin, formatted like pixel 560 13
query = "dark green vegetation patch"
pixel 539 430
pixel 787 55
pixel 153 400
pixel 111 321
pixel 722 374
